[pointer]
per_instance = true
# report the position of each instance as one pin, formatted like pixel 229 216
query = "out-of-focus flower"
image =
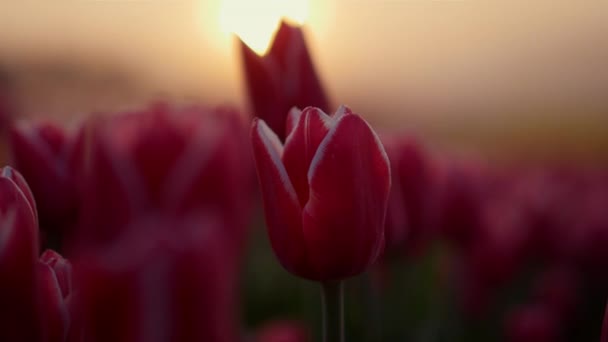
pixel 167 160
pixel 47 155
pixel 408 219
pixel 283 331
pixel 460 212
pixel 166 285
pixel 282 79
pixel 533 323
pixel 558 290
pixel 325 192
pixel 54 275
pixel 18 256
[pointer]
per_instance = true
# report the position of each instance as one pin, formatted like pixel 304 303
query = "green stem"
pixel 333 311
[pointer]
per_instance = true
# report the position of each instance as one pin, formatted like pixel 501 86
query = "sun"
pixel 255 21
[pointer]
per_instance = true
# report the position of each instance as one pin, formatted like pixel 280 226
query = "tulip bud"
pixel 18 255
pixel 325 192
pixel 55 285
pixel 282 79
pixel 166 285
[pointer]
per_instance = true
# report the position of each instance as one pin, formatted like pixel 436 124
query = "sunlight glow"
pixel 255 21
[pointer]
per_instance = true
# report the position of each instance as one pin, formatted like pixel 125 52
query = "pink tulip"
pixel 165 285
pixel 167 160
pixel 283 78
pixel 325 192
pixel 46 154
pixel 18 256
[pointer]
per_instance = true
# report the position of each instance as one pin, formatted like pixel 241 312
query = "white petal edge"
pixel 327 121
pixel 292 119
pixel 320 153
pixel 32 132
pixel 8 172
pixel 342 110
pixel 273 146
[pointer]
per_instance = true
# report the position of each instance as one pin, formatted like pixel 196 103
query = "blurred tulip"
pixel 283 331
pixel 532 324
pixel 460 213
pixel 558 290
pixel 167 160
pixel 408 218
pixel 325 192
pixel 55 286
pixel 165 285
pixel 46 155
pixel 6 107
pixel 18 256
pixel 283 78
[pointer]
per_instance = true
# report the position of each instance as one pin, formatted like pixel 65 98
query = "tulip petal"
pixel 18 230
pixel 292 120
pixel 300 85
pixel 53 310
pixel 281 207
pixel 18 255
pixel 349 185
pixel 16 177
pixel 264 85
pixel 38 152
pixel 301 146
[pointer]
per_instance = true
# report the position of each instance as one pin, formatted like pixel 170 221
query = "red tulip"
pixel 45 154
pixel 282 79
pixel 165 160
pixel 325 192
pixel 160 286
pixel 283 331
pixel 55 286
pixel 408 220
pixel 18 256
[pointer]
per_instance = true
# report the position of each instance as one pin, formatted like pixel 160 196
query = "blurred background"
pixel 481 250
pixel 530 78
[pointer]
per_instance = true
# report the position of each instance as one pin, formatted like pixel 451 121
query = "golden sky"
pixel 389 57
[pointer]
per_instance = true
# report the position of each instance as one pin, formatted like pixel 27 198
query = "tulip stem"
pixel 333 311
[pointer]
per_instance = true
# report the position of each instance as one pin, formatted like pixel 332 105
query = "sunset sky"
pixel 391 58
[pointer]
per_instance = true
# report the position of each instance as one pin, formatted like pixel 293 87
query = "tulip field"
pixel 293 221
